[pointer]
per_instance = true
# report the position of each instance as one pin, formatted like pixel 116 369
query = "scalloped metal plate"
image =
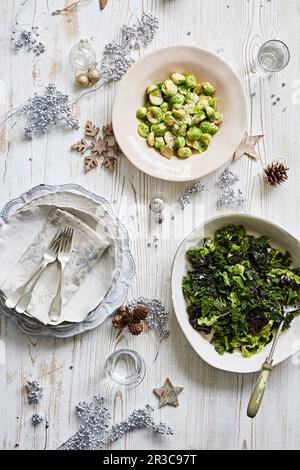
pixel 115 297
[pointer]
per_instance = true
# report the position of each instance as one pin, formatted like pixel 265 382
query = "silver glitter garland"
pixel 140 418
pixel 140 34
pixel 50 108
pixel 157 316
pixel 94 417
pixel 116 60
pixel 55 108
pixel 94 429
pixel 186 198
pixel 226 179
pixel 34 392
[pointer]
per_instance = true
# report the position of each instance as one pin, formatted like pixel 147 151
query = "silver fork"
pixel 23 294
pixel 63 257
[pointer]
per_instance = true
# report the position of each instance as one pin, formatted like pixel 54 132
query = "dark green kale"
pixel 236 289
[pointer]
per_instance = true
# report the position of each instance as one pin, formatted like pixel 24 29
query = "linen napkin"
pixel 87 248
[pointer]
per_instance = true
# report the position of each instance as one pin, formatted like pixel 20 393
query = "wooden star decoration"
pixel 247 147
pixel 99 146
pixel 168 394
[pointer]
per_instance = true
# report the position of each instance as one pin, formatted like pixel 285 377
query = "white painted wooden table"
pixel 212 411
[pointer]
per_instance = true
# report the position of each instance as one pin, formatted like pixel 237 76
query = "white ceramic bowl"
pixel 158 66
pixel 289 342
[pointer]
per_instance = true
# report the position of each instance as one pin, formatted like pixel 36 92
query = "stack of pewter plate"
pixel 105 285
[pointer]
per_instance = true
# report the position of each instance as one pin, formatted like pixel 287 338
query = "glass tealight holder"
pixel 273 56
pixel 125 368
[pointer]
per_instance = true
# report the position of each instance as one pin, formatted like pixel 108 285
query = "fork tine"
pixel 68 242
pixel 70 239
pixel 56 238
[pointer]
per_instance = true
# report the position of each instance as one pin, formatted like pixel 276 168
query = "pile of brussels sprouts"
pixel 180 116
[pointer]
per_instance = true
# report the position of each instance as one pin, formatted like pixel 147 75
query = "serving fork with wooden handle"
pixel 260 386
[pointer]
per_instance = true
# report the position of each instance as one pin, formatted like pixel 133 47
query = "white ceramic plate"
pixel 289 342
pixel 156 67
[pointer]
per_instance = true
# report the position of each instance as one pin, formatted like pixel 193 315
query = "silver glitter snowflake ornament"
pixel 34 392
pixel 186 198
pixel 50 108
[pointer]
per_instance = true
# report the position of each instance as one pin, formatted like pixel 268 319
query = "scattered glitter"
pixel 34 392
pixel 29 39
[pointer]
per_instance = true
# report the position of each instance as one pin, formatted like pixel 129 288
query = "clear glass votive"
pixel 125 368
pixel 273 56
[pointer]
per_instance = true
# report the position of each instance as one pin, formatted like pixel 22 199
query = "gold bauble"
pixel 82 80
pixel 94 75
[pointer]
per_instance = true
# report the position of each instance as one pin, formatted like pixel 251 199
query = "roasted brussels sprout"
pixel 180 113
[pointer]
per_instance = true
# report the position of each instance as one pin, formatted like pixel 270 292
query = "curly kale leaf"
pixel 236 289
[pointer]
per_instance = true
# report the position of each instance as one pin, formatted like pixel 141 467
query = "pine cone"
pixel 140 313
pixel 123 310
pixel 276 173
pixel 135 328
pixel 120 321
pixel 121 317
